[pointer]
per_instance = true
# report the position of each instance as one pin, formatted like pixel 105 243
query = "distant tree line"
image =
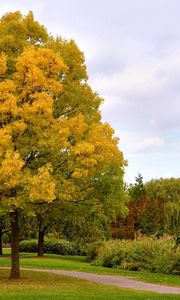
pixel 153 209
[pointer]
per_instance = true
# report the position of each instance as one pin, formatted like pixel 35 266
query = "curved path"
pixel 121 281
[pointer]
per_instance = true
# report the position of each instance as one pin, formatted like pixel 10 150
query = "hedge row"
pixel 148 254
pixel 53 246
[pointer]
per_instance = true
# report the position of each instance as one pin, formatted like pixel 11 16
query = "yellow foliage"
pixel 42 185
pixel 52 142
pixel 10 169
pixel 66 190
pixel 3 62
pixel 77 126
pixel 106 146
pixel 88 162
pixel 79 173
pixel 19 127
pixel 38 71
pixel 26 112
pixel 5 140
pixel 8 102
pixel 84 147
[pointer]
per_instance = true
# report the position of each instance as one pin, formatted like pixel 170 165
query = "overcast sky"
pixel 132 50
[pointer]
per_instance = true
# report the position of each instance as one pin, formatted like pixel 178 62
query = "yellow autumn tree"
pixel 28 129
pixel 53 145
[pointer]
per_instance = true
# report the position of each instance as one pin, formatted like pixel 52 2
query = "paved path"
pixel 121 281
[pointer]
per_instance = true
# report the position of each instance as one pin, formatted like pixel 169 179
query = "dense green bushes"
pixel 150 254
pixel 53 246
pixel 147 254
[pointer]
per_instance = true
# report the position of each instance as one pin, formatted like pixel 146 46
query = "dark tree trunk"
pixel 41 234
pixel 15 269
pixel 1 249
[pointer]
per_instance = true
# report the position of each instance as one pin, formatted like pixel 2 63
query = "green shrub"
pixel 93 249
pixel 176 269
pixel 147 254
pixel 5 238
pixel 28 246
pixel 53 246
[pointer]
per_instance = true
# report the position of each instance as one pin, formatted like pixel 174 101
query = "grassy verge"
pixel 6 251
pixel 44 286
pixel 81 264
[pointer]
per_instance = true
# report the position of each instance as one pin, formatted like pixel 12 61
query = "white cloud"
pixel 149 143
pixel 134 144
pixel 147 73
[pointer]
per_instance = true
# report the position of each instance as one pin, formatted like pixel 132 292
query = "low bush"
pixel 28 246
pixel 6 238
pixel 148 254
pixel 94 249
pixel 53 246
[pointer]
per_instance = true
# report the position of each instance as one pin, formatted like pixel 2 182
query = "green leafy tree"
pixel 164 205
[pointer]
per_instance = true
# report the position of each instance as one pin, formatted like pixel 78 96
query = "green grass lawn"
pixel 81 264
pixel 42 286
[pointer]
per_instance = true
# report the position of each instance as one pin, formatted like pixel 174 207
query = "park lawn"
pixel 80 263
pixel 42 286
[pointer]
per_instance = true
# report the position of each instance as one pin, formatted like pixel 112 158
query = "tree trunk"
pixel 1 234
pixel 41 233
pixel 15 269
